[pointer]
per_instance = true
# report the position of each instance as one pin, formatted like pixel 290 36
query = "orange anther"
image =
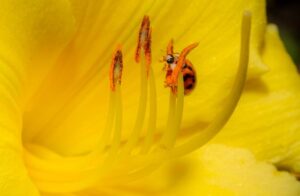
pixel 116 68
pixel 180 62
pixel 144 42
pixel 170 48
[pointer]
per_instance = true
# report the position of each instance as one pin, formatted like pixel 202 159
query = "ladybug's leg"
pixel 166 67
pixel 168 81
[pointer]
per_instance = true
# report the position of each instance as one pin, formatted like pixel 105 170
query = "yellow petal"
pixel 266 120
pixel 32 30
pixel 33 33
pixel 14 179
pixel 32 36
pixel 214 170
pixel 232 171
pixel 101 26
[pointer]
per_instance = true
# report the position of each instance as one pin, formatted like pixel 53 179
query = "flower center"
pixel 114 161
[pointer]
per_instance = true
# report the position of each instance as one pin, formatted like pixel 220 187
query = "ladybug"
pixel 187 70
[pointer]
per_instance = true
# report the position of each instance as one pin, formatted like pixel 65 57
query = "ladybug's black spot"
pixel 190 68
pixel 187 76
pixel 190 86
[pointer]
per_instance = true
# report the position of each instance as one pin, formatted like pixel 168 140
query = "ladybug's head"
pixel 170 59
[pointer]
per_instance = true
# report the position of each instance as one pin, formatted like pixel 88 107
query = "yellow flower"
pixel 54 90
pixel 262 133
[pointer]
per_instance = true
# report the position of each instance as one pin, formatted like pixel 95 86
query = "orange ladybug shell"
pixel 189 77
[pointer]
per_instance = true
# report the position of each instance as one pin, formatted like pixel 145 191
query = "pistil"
pixel 231 100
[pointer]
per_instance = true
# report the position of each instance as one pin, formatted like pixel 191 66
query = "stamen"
pixel 230 103
pixel 144 42
pixel 115 76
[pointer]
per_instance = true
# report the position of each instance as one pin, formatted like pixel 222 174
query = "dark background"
pixel 286 14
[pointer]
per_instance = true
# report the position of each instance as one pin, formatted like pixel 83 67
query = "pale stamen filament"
pixel 133 139
pixel 104 140
pixel 118 125
pixel 152 114
pixel 174 123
